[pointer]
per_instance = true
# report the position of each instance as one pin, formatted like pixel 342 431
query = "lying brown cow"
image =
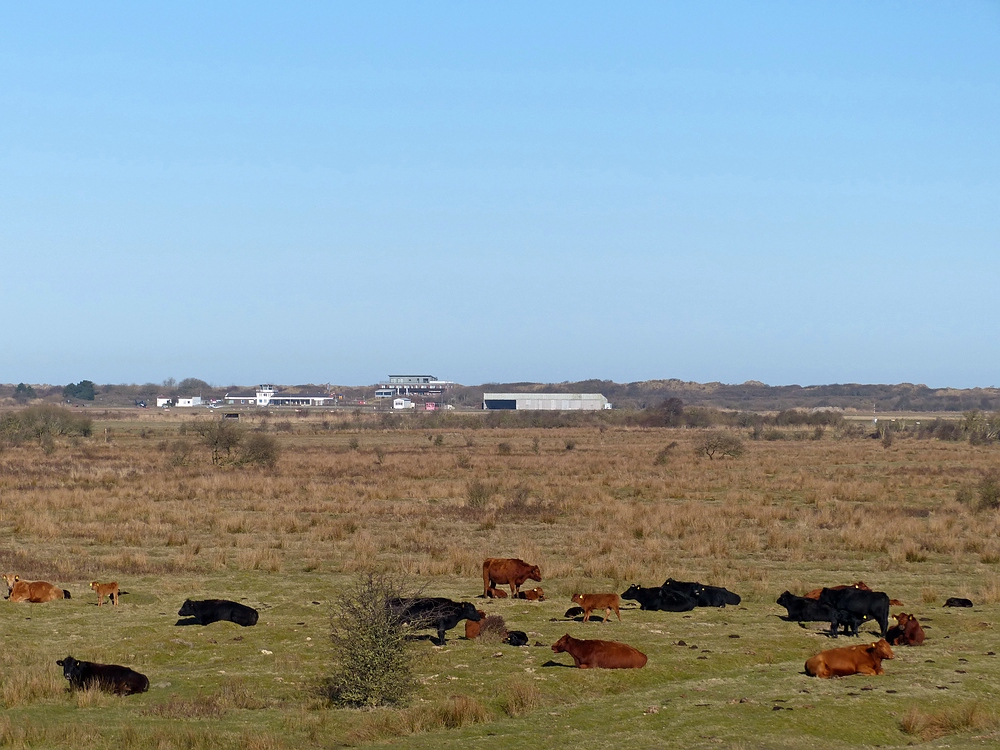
pixel 906 632
pixel 590 602
pixel 32 591
pixel 493 593
pixel 600 654
pixel 814 594
pixel 472 628
pixel 840 662
pixel 532 595
pixel 508 570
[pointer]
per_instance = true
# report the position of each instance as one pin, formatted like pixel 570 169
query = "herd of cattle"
pixel 845 607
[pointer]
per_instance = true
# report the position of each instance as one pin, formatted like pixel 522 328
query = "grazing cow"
pixel 109 677
pixel 105 590
pixel 600 654
pixel 508 570
pixel 472 626
pixel 906 631
pixel 864 604
pixel 215 610
pixel 492 593
pixel 532 595
pixel 956 601
pixel 801 609
pixel 35 592
pixel 840 662
pixel 590 602
pixel 433 612
pixel 703 594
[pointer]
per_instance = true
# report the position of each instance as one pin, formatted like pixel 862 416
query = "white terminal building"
pixel 545 401
pixel 412 385
pixel 266 395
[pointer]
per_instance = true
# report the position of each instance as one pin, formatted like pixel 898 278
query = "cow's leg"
pixel 440 635
pixel 607 614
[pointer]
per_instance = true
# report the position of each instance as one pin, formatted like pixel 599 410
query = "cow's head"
pixel 881 649
pixel 470 612
pixel 785 598
pixel 535 574
pixel 578 598
pixel 71 667
pixel 632 592
pixel 902 618
pixel 562 644
pixel 187 608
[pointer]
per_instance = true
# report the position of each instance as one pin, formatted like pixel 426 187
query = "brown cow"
pixel 106 589
pixel 472 628
pixel 907 631
pixel 532 595
pixel 840 662
pixel 814 594
pixel 590 602
pixel 600 654
pixel 32 591
pixel 509 570
pixel 493 593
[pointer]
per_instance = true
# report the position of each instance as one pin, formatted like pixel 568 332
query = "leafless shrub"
pixel 717 443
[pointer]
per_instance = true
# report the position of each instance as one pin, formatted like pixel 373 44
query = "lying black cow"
pixel 433 612
pixel 801 609
pixel 215 610
pixel 109 677
pixel 956 601
pixel 658 600
pixel 703 594
pixel 873 605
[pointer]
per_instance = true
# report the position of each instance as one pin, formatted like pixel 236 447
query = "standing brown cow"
pixel 590 602
pixel 509 570
pixel 600 654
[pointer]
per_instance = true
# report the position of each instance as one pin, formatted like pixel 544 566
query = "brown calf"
pixel 105 589
pixel 532 595
pixel 840 662
pixel 472 628
pixel 907 631
pixel 590 602
pixel 600 654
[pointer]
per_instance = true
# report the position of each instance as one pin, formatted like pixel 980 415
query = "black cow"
pixel 214 610
pixel 659 599
pixel 703 594
pixel 956 601
pixel 801 609
pixel 110 677
pixel 865 604
pixel 516 638
pixel 433 612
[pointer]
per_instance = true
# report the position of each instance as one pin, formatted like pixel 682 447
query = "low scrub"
pixel 930 725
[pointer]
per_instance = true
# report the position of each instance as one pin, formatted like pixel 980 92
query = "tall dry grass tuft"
pixel 930 725
pixel 520 697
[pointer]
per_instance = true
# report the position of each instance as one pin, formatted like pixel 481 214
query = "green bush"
pixel 373 663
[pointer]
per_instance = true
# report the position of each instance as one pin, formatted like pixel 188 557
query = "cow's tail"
pixel 66 594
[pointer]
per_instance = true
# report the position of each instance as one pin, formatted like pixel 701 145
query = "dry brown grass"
pixel 929 725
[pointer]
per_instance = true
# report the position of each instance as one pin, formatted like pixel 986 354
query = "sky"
pixel 786 192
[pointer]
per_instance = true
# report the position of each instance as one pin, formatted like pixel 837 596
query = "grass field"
pixel 594 506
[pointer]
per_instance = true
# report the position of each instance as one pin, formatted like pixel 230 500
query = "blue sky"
pixel 786 192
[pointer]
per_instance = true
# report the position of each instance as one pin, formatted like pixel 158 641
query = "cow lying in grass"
pixel 109 677
pixel 841 662
pixel 207 611
pixel 600 654
pixel 33 591
pixel 433 612
pixel 906 631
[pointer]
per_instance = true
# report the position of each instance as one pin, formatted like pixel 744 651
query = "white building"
pixel 402 403
pixel 162 402
pixel 545 401
pixel 412 385
pixel 266 395
pixel 193 401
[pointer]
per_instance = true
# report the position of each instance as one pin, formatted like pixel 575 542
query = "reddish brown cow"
pixel 532 595
pixel 600 654
pixel 907 631
pixel 472 628
pixel 496 593
pixel 590 602
pixel 508 570
pixel 840 662
pixel 32 591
